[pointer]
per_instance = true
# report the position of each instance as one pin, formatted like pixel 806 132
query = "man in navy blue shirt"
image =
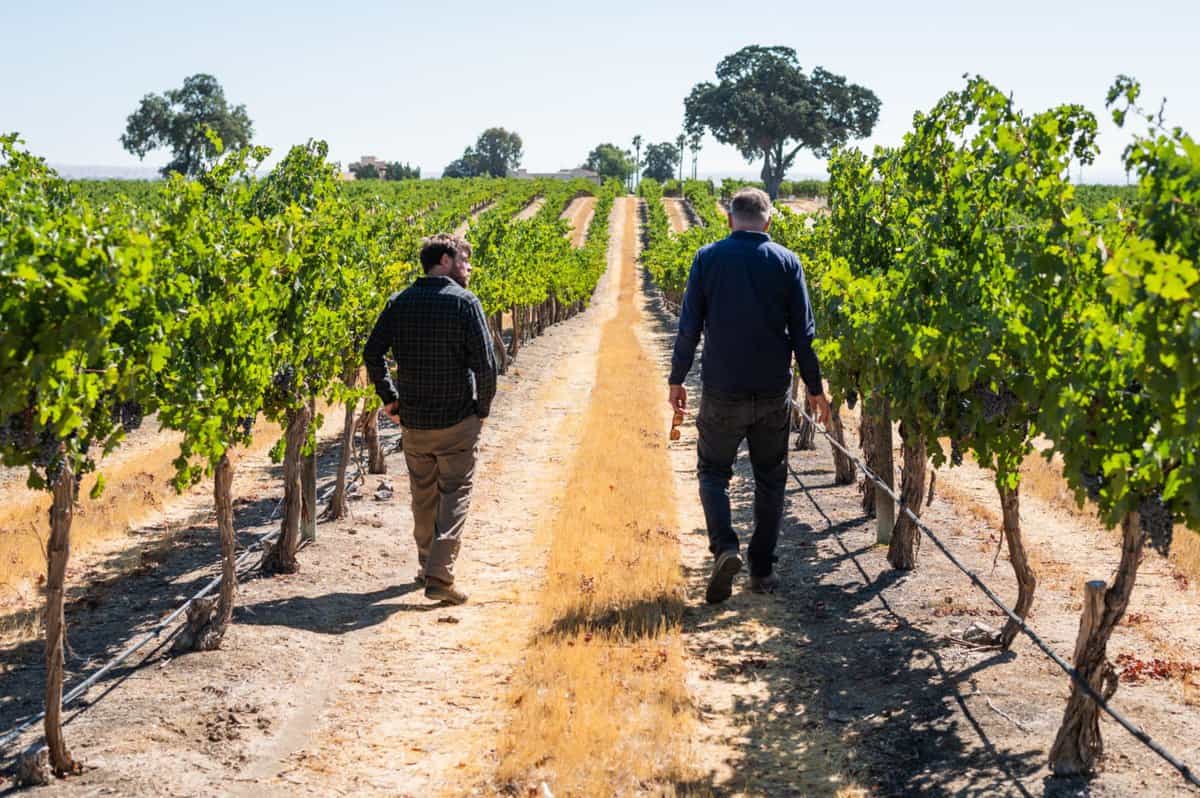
pixel 747 296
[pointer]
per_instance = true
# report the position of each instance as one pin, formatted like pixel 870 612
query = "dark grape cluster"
pixel 996 405
pixel 16 431
pixel 247 425
pixel 851 399
pixel 1157 522
pixel 956 452
pixel 283 384
pixel 128 414
pixel 1092 483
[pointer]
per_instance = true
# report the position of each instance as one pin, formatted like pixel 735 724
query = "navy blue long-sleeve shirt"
pixel 747 296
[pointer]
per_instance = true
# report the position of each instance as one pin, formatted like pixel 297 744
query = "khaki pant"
pixel 441 470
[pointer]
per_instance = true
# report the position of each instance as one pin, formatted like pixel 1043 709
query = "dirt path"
pixel 579 213
pixel 530 210
pixel 846 682
pixel 465 225
pixel 677 213
pixel 341 679
pixel 806 206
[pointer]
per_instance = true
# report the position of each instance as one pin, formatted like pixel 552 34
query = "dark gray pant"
pixel 724 422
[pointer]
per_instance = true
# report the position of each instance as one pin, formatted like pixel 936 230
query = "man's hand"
pixel 393 411
pixel 819 404
pixel 678 398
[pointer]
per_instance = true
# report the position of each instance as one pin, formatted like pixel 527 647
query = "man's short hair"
pixel 434 247
pixel 750 206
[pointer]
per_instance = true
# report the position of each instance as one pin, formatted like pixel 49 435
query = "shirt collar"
pixel 749 235
pixel 440 279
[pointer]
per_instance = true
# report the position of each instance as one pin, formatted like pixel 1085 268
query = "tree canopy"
pixel 495 153
pixel 609 160
pixel 194 121
pixel 764 104
pixel 661 160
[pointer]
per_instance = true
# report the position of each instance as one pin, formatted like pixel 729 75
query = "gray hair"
pixel 750 207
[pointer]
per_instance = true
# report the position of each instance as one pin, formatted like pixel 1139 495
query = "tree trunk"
pixel 806 431
pixel 1026 580
pixel 338 506
pixel 280 558
pixel 771 175
pixel 308 482
pixel 866 443
pixel 208 619
pixel 1078 747
pixel 843 466
pixel 58 553
pixel 376 462
pixel 906 536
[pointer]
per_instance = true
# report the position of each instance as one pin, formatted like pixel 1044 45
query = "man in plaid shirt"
pixel 443 390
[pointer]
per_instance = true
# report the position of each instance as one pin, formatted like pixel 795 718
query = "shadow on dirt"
pixel 125 594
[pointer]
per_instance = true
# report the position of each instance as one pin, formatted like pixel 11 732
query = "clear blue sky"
pixel 418 82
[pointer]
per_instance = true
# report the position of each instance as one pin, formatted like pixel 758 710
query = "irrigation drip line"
pixel 1138 733
pixel 154 632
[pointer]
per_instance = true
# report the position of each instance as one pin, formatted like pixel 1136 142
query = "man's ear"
pixel 447 261
pixel 729 217
pixel 767 226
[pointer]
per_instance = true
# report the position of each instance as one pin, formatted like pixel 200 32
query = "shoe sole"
pixel 442 598
pixel 720 584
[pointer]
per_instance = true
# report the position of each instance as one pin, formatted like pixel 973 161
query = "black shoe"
pixel 764 584
pixel 720 584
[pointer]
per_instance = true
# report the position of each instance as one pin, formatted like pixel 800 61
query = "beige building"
pixel 562 174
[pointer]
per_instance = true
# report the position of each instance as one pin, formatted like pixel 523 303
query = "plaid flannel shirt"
pixel 445 366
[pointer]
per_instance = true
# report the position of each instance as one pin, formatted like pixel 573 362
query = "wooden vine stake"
pixel 1078 747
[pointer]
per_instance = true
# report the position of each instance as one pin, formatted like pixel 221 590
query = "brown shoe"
pixel 441 592
pixel 764 584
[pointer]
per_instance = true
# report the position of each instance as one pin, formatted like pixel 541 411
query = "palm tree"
pixel 679 142
pixel 637 161
pixel 694 146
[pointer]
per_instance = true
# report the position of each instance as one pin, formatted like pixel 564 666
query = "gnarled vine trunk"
pixel 308 483
pixel 866 442
pixel 376 462
pixel 1010 505
pixel 843 466
pixel 208 619
pixel 496 327
pixel 338 507
pixel 516 336
pixel 281 557
pixel 1078 746
pixel 806 431
pixel 906 536
pixel 58 553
